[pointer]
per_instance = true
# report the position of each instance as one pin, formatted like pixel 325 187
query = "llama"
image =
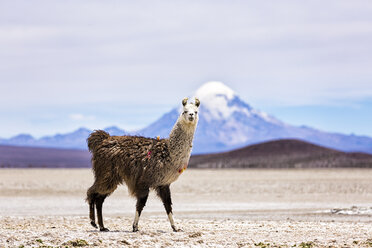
pixel 141 163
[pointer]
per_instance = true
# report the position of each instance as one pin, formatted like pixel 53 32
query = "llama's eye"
pixel 185 112
pixel 196 112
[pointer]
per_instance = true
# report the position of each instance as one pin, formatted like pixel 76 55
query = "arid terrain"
pixel 214 208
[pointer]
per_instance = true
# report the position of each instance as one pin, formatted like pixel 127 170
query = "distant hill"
pixel 287 153
pixel 274 154
pixel 35 157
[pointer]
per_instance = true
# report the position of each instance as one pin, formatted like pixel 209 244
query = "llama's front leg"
pixel 165 195
pixel 141 202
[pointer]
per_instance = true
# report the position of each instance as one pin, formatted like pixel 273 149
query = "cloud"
pixel 80 117
pixel 275 52
pixel 292 53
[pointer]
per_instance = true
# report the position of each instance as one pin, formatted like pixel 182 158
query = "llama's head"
pixel 190 111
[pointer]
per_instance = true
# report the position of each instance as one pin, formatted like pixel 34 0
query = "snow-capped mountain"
pixel 225 122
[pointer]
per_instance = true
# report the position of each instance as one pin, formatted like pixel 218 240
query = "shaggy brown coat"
pixel 135 160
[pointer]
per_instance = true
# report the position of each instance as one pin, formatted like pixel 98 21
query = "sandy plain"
pixel 214 208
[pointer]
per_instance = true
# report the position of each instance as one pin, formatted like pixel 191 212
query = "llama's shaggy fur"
pixel 141 163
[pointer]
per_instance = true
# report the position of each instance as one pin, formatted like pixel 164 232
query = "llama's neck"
pixel 180 141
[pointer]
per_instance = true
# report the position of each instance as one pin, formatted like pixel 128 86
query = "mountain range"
pixel 226 122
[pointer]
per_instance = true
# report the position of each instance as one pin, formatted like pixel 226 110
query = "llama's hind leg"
pixel 99 202
pixel 91 199
pixel 141 202
pixel 103 186
pixel 165 196
pixel 92 215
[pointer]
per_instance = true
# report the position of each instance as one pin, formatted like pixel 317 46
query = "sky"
pixel 70 64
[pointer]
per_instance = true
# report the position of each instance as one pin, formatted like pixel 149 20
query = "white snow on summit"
pixel 215 97
pixel 214 88
pixel 267 117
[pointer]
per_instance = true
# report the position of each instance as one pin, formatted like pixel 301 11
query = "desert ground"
pixel 214 208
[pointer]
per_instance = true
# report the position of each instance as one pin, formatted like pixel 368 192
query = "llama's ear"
pixel 197 102
pixel 184 101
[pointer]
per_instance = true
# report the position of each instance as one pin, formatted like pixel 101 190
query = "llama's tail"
pixel 95 139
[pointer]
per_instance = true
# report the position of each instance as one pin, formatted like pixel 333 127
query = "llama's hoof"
pixel 94 224
pixel 104 229
pixel 175 229
pixel 135 228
